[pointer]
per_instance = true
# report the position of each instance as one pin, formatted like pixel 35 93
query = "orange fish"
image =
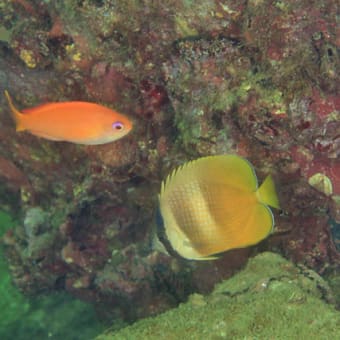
pixel 76 122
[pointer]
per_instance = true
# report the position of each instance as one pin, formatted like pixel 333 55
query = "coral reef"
pixel 26 317
pixel 264 299
pixel 257 78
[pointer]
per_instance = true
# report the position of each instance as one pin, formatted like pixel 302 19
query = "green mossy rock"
pixel 270 299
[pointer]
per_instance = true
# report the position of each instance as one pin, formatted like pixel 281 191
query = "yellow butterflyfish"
pixel 213 204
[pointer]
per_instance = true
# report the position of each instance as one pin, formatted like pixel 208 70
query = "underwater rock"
pixel 263 300
pixel 15 179
pixel 114 155
pixel 202 86
pixel 256 78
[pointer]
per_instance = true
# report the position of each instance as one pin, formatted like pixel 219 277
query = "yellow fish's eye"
pixel 117 126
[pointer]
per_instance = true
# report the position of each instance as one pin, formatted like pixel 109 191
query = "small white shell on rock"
pixel 321 183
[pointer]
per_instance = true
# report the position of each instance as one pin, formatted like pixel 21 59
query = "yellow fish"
pixel 213 204
pixel 76 122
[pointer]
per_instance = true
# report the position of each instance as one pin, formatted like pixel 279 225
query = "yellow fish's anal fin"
pixel 266 193
pixel 207 258
pixel 195 255
pixel 17 116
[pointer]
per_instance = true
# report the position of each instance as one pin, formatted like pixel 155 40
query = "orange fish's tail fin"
pixel 266 193
pixel 17 115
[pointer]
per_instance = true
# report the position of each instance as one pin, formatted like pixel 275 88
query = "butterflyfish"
pixel 74 121
pixel 213 204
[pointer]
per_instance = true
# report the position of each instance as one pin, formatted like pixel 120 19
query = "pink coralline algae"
pixel 256 78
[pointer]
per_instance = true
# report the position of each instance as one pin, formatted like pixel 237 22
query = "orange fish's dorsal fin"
pixel 266 193
pixel 41 107
pixel 17 115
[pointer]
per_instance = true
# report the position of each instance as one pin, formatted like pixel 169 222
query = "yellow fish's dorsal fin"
pixel 225 169
pixel 17 115
pixel 166 183
pixel 266 193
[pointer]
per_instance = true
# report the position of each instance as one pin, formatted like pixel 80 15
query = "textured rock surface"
pixel 270 298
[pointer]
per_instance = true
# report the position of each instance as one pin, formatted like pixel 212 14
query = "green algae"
pixel 5 35
pixel 11 299
pixel 55 316
pixel 270 299
pixel 183 28
pixel 45 153
pixel 205 82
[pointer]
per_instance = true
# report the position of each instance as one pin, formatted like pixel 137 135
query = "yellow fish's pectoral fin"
pixel 266 193
pixel 17 115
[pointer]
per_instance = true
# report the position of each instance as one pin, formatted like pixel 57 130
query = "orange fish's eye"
pixel 118 126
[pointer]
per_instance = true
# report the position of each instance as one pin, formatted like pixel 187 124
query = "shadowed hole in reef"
pixel 217 119
pixel 58 44
pixel 60 283
pixel 98 3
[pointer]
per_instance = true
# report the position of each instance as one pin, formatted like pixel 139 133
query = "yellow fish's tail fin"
pixel 17 116
pixel 266 193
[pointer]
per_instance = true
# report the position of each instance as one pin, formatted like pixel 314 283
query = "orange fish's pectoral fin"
pixel 17 115
pixel 19 127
